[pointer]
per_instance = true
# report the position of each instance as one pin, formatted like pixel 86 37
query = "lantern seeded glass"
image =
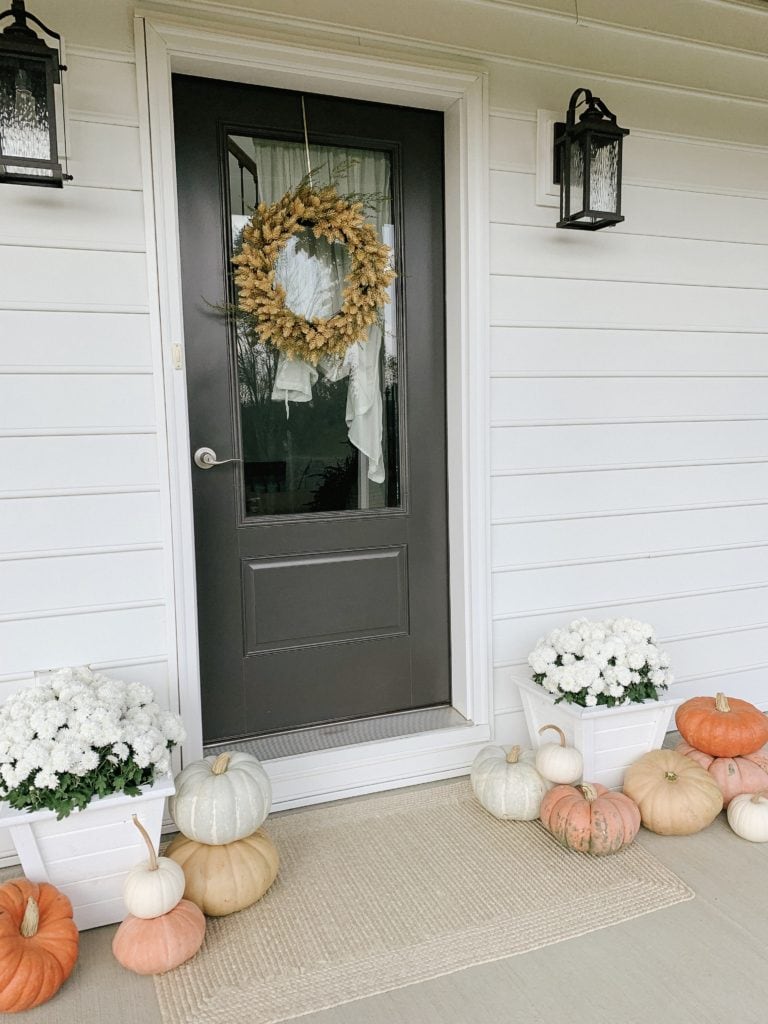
pixel 603 181
pixel 24 126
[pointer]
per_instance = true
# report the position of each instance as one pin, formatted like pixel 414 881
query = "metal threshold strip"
pixel 343 734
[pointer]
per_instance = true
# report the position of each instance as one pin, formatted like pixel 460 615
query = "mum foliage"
pixel 79 735
pixel 612 662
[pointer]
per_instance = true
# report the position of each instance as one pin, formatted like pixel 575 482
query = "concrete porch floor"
pixel 700 962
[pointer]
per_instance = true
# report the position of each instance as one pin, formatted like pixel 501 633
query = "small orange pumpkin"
pixel 590 818
pixel 722 726
pixel 733 775
pixel 157 944
pixel 38 943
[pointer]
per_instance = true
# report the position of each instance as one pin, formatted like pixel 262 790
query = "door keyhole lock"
pixel 206 458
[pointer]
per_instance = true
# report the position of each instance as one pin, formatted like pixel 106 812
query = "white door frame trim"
pixel 165 45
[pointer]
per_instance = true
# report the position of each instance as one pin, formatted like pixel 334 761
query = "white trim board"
pixel 164 46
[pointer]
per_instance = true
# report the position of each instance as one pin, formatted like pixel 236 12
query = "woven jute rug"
pixel 385 891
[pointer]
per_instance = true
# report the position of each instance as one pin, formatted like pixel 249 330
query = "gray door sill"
pixel 344 734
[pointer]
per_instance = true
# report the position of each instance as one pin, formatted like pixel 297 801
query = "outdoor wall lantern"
pixel 29 69
pixel 587 165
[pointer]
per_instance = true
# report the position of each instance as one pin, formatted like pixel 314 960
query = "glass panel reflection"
pixel 325 438
pixel 24 125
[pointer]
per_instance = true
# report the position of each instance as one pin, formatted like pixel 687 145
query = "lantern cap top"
pixel 596 113
pixel 20 29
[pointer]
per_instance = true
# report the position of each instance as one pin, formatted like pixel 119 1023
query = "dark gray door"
pixel 322 554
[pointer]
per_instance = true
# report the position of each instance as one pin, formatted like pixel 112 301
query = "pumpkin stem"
pixel 589 791
pixel 221 764
pixel 148 841
pixel 721 702
pixel 760 795
pixel 558 730
pixel 671 776
pixel 31 919
pixel 514 755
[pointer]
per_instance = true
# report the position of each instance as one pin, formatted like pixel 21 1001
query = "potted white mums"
pixel 605 684
pixel 80 753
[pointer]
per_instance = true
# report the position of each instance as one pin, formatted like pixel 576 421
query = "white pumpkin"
pixel 558 762
pixel 506 783
pixel 748 816
pixel 221 799
pixel 155 886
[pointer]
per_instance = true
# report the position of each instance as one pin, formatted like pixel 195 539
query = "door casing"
pixel 167 45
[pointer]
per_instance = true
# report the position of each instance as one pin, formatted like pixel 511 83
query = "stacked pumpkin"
pixel 727 738
pixel 162 929
pixel 228 862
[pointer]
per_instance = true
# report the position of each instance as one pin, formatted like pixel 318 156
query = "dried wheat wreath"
pixel 325 213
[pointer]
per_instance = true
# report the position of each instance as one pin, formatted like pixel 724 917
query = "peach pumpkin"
pixel 676 797
pixel 733 775
pixel 157 944
pixel 722 726
pixel 39 942
pixel 590 818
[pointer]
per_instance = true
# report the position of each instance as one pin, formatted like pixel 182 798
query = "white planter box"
pixel 88 854
pixel 610 739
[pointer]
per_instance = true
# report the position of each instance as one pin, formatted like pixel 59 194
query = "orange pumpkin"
pixel 38 943
pixel 590 818
pixel 733 775
pixel 158 944
pixel 722 726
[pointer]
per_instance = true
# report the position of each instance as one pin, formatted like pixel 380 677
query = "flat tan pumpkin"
pixel 158 944
pixel 590 818
pixel 224 879
pixel 676 797
pixel 733 775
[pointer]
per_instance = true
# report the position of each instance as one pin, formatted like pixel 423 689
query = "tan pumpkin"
pixel 722 726
pixel 39 942
pixel 224 879
pixel 158 944
pixel 676 797
pixel 590 818
pixel 733 775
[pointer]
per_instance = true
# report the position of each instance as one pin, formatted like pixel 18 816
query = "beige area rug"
pixel 384 891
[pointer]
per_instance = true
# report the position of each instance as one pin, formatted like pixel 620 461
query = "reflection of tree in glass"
pixel 337 488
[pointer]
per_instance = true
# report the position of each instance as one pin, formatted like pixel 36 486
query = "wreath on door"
pixel 260 294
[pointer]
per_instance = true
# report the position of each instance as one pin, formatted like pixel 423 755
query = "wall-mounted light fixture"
pixel 29 69
pixel 587 165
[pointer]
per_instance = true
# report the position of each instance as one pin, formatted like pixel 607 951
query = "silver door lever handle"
pixel 205 458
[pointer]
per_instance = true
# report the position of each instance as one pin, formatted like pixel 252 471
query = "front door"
pixel 321 548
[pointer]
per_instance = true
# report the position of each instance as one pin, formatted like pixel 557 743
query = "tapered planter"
pixel 88 854
pixel 610 739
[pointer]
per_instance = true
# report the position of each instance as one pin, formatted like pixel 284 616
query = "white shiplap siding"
pixel 629 411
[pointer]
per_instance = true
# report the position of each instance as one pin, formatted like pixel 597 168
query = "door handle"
pixel 206 458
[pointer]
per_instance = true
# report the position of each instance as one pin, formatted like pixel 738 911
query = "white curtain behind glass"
pixel 314 287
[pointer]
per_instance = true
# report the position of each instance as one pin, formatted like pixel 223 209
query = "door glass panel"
pixel 325 438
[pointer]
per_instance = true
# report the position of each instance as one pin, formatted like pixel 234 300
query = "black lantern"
pixel 29 69
pixel 588 165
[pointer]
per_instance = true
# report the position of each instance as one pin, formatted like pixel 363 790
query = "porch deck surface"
pixel 699 962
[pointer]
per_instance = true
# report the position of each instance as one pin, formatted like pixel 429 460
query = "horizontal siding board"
pixel 624 444
pixel 539 252
pixel 585 399
pixel 50 463
pixel 109 635
pixel 47 339
pixel 32 276
pixel 514 639
pixel 551 542
pixel 626 490
pixel 106 218
pixel 104 87
pixel 522 350
pixel 104 155
pixel 80 521
pixel 72 400
pixel 703 656
pixel 557 302
pixel 624 581
pixel 648 210
pixel 87 581
pixel 664 160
